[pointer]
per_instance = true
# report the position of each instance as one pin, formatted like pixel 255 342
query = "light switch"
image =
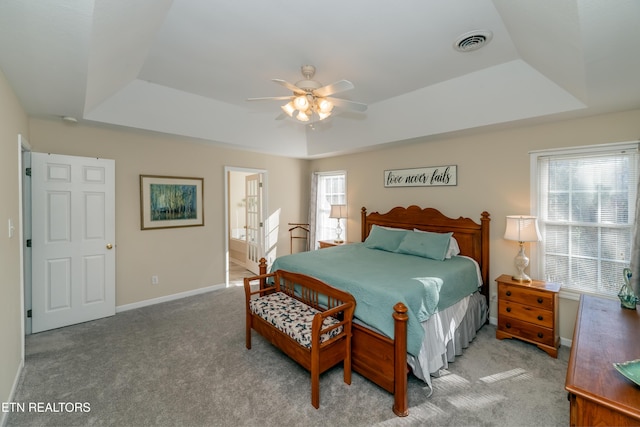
pixel 11 228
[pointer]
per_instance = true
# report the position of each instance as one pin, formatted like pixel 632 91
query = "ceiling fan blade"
pixel 295 89
pixel 339 86
pixel 270 98
pixel 350 105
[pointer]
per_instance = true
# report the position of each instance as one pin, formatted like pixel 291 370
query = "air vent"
pixel 472 40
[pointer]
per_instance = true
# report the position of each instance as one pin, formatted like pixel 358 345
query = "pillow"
pixel 454 248
pixel 426 244
pixel 385 239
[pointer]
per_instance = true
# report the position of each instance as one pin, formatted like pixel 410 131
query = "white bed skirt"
pixel 447 333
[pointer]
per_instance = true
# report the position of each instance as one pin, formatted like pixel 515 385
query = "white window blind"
pixel 332 190
pixel 586 200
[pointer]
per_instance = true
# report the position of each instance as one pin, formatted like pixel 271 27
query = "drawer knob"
pixel 508 325
pixel 540 317
pixel 508 309
pixel 540 300
pixel 508 293
pixel 540 334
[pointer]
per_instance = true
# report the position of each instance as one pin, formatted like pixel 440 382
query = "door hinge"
pixel 28 243
pixel 29 313
pixel 261 225
pixel 28 171
pixel 260 184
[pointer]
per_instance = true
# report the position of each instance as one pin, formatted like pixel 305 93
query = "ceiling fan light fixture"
pixel 324 106
pixel 323 116
pixel 301 103
pixel 302 116
pixel 288 109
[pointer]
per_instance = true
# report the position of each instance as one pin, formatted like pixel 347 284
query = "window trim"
pixel 535 254
pixel 346 198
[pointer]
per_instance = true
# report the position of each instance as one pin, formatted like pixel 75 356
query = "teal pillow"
pixel 384 238
pixel 426 245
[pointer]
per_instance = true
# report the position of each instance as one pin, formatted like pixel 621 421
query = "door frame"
pixel 24 228
pixel 265 209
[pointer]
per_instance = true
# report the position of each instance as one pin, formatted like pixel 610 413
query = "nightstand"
pixel 329 243
pixel 529 311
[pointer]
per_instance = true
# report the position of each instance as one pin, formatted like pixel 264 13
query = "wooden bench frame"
pixel 329 301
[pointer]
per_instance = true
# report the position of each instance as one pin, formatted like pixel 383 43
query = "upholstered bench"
pixel 304 317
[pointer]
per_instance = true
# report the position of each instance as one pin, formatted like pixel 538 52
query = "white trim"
pixel 4 416
pixel 166 298
pixel 23 145
pixel 265 208
pixel 628 145
pixel 566 342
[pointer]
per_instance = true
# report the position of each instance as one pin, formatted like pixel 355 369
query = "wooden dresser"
pixel 529 311
pixel 598 394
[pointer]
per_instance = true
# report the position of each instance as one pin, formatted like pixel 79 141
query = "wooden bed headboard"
pixel 473 238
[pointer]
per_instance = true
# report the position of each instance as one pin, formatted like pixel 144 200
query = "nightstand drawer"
pixel 526 296
pixel 526 330
pixel 526 313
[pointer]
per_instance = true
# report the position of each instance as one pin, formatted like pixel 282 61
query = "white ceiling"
pixel 186 67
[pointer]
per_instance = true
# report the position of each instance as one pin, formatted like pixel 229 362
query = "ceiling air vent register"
pixel 472 40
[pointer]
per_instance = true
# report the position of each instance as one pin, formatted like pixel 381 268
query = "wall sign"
pixel 422 177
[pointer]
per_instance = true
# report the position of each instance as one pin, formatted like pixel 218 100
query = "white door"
pixel 254 224
pixel 73 240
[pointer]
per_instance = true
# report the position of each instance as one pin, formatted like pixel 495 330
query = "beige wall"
pixel 493 175
pixel 13 121
pixel 184 259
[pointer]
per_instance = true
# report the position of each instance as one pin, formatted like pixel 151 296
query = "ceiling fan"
pixel 312 100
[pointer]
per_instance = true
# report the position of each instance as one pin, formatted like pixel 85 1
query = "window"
pixel 331 190
pixel 585 200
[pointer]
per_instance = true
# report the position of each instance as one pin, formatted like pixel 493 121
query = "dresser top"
pixel 605 333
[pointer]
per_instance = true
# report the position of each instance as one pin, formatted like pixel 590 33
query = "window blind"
pixel 586 212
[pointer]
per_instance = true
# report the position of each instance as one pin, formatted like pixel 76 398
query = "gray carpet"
pixel 184 363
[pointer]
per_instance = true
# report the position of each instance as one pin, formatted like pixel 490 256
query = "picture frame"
pixel 171 202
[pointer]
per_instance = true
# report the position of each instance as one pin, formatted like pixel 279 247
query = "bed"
pixel 411 335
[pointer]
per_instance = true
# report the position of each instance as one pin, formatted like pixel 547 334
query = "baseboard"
pixel 166 298
pixel 5 415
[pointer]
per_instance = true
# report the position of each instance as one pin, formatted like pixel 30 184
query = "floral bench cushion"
pixel 292 317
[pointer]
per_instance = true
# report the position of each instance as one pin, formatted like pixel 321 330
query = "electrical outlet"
pixel 154 280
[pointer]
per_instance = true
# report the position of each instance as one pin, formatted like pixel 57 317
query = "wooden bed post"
pixel 484 223
pixel 400 399
pixel 263 270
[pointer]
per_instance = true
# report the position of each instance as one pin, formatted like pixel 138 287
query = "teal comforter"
pixel 378 280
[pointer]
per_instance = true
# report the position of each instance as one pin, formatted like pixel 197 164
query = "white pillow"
pixel 453 250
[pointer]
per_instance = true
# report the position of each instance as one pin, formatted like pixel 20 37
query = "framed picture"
pixel 171 201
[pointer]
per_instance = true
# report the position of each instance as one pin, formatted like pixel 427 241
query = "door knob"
pixel 109 246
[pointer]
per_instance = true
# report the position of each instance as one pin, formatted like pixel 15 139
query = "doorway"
pixel 245 208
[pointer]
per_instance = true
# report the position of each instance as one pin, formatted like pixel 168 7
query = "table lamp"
pixel 338 212
pixel 522 228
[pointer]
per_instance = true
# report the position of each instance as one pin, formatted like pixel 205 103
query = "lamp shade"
pixel 522 228
pixel 338 211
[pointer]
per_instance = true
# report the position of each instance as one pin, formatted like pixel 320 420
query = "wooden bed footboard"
pixel 378 358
